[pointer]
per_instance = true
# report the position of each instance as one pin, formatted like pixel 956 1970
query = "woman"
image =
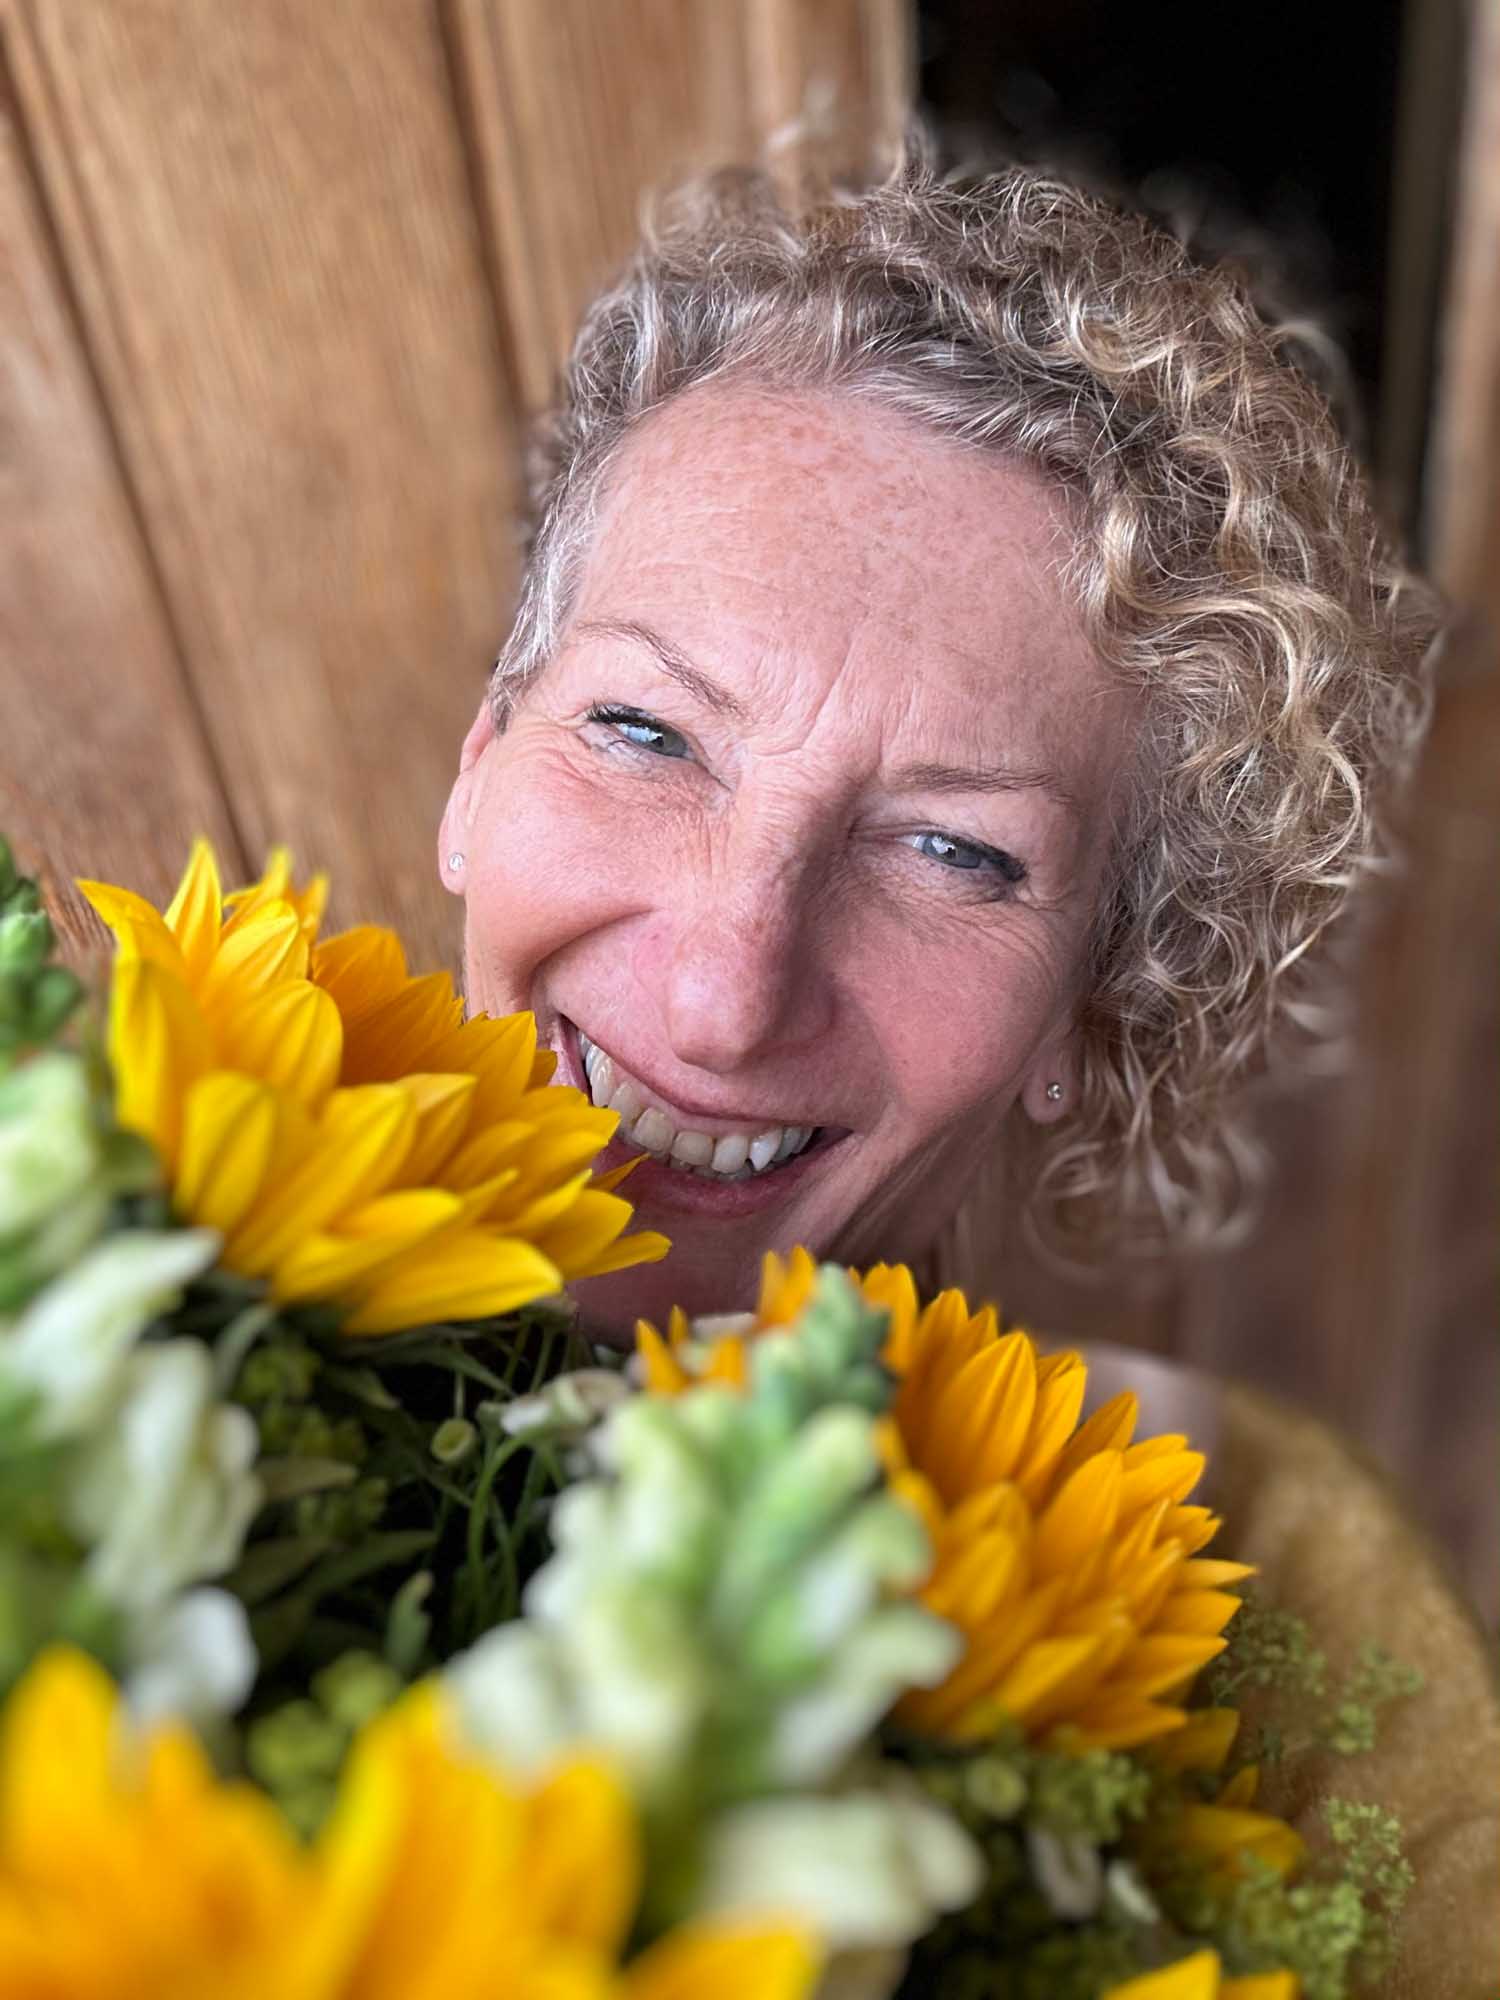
pixel 957 679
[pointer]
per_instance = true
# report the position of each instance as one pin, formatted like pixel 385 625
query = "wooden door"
pixel 282 284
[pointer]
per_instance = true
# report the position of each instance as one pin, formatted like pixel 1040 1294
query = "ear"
pixel 1050 1091
pixel 453 830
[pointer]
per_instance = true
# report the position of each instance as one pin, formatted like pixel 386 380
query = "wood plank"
pixel 267 214
pixel 839 74
pixel 104 765
pixel 1466 471
pixel 576 111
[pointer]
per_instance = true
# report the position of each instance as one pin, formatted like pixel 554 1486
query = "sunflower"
pixel 1229 1831
pixel 127 1867
pixel 350 1135
pixel 1201 1978
pixel 1064 1552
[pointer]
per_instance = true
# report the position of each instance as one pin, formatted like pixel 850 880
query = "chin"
pixel 714 1280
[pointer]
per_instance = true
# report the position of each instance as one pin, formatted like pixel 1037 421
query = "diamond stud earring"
pixel 455 862
pixel 1054 1093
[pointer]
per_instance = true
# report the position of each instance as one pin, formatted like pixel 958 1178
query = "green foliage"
pixel 1301 1707
pixel 402 1520
pixel 296 1751
pixel 1092 1794
pixel 37 998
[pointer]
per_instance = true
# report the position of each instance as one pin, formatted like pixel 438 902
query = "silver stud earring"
pixel 1054 1093
pixel 455 862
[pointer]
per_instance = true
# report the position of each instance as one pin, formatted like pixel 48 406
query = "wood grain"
pixel 1465 501
pixel 271 231
pixel 577 112
pixel 104 764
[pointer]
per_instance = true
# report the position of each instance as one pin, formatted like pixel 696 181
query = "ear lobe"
pixel 1050 1091
pixel 453 829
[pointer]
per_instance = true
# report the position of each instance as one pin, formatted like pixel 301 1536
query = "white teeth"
pixel 731 1156
pixel 628 1101
pixel 653 1130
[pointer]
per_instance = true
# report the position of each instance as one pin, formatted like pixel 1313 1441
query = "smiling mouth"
pixel 727 1155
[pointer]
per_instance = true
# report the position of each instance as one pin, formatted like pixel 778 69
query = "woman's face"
pixel 801 829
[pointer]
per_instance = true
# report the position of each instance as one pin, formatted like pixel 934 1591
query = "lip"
pixel 658 1188
pixel 715 1123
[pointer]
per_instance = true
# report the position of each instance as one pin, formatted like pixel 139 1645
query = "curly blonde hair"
pixel 1228 563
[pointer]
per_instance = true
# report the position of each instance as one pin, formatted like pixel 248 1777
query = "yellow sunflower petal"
pixel 1199 1573
pixel 588 1241
pixel 159 1046
pixel 265 950
pixel 289 1035
pixel 731 1962
pixel 194 913
pixel 1166 1660
pixel 1203 1743
pixel 664 1373
pixel 239 1136
pixel 1115 1719
pixel 443 1104
pixel 1194 1978
pixel 1229 1835
pixel 1110 1428
pixel 785 1286
pixel 1059 1398
pixel 404 1033
pixel 1262 1986
pixel 985 1411
pixel 359 968
pixel 1081 1516
pixel 140 931
pixel 330 1266
pixel 360 1143
pixel 1242 1788
pixel 469 1276
pixel 579 1872
pixel 1041 1669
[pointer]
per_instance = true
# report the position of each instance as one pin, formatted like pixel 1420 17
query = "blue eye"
pixel 642 731
pixel 969 857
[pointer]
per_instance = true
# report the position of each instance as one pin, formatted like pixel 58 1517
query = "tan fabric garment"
pixel 1335 1544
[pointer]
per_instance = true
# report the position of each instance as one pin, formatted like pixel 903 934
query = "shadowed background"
pixel 282 285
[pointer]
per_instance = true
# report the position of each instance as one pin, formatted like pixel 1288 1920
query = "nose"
pixel 745 977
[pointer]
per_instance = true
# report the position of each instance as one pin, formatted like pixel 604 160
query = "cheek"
pixel 957 1017
pixel 543 871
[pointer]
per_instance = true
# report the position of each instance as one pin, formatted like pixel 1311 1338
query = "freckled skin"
pixel 751 927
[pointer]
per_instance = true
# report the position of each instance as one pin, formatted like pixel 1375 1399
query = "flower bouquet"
pixel 367 1634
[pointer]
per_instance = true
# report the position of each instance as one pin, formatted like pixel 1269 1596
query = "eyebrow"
pixel 991 778
pixel 671 661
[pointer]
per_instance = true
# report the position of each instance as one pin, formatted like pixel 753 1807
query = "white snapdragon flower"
pixel 72 1342
pixel 868 1869
pixel 167 1493
pixel 49 1145
pixel 192 1659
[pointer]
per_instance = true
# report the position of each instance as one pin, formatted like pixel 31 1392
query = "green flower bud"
pixel 55 994
pixel 994 1787
pixel 355 1688
pixel 453 1441
pixel 26 941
